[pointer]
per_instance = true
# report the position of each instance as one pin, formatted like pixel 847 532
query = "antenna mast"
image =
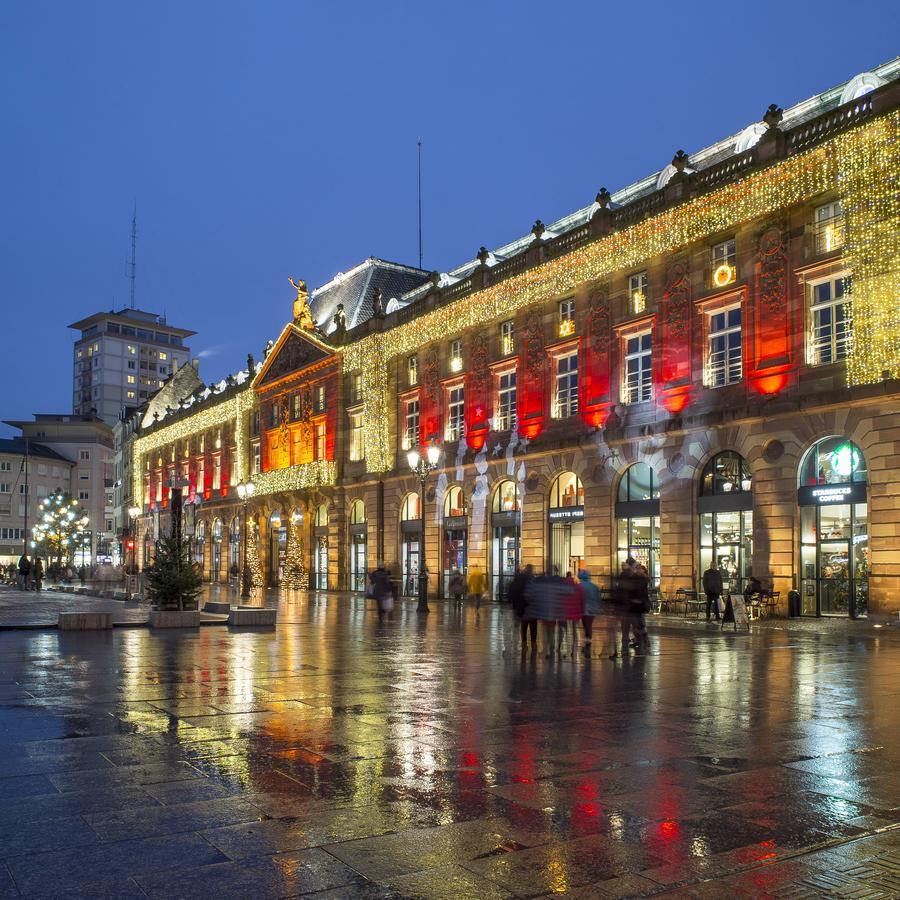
pixel 419 148
pixel 133 266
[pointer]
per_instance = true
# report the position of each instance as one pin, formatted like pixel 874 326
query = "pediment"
pixel 293 352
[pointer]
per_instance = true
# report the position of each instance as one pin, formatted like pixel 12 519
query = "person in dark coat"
pixel 382 590
pixel 24 572
pixel 456 586
pixel 712 586
pixel 517 590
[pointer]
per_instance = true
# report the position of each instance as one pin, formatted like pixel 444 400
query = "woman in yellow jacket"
pixel 475 585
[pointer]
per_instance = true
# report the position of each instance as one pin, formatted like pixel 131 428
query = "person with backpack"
pixel 589 595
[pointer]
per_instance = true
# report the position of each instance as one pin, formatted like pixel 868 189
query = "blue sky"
pixel 266 139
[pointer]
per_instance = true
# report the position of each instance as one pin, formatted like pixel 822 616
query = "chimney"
pixel 195 362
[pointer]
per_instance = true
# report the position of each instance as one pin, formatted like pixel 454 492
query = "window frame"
pixel 638 284
pixel 710 380
pixel 820 228
pixel 356 445
pixel 506 414
pixel 572 405
pixel 454 411
pixel 845 278
pixel 626 394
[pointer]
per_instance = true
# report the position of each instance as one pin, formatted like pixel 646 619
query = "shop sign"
pixel 822 495
pixel 455 523
pixel 566 513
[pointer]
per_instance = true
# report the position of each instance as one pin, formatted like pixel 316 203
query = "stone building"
pixel 702 368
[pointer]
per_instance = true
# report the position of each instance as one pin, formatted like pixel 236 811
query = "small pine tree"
pixel 173 580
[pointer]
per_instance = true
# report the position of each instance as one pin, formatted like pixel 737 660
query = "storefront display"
pixel 637 519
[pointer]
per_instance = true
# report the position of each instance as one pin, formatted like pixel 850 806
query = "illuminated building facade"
pixel 702 368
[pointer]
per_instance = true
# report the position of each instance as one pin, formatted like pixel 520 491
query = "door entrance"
pixel 358 563
pixel 409 567
pixel 454 556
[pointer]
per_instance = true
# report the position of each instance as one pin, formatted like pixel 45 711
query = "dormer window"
pixel 828 227
pixel 566 325
pixel 724 264
pixel 637 292
pixel 456 360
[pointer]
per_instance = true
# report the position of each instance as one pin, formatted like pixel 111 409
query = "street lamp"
pixel 245 490
pixel 423 466
pixel 133 513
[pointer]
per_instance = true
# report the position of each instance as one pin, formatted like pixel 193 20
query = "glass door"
pixel 454 555
pixel 410 567
pixel 321 563
pixel 834 578
pixel 358 562
pixel 504 559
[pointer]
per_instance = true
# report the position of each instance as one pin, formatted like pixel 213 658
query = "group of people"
pixel 714 588
pixel 561 603
pixel 28 575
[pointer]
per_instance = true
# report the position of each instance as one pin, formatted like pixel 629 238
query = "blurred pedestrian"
pixel 456 586
pixel 517 594
pixel 382 590
pixel 24 572
pixel 712 586
pixel 37 575
pixel 589 596
pixel 546 598
pixel 640 605
pixel 476 585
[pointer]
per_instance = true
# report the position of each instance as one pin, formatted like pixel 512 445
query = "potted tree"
pixel 173 584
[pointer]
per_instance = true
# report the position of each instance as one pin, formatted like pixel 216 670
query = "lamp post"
pixel 245 490
pixel 422 467
pixel 133 513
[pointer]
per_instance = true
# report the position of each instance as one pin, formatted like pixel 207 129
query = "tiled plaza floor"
pixel 426 758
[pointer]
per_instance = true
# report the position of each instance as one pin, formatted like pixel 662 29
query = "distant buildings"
pixel 71 453
pixel 121 359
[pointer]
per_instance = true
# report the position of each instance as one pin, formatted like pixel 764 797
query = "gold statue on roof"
pixel 302 313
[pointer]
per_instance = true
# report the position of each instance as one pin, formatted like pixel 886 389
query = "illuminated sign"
pixel 566 327
pixel 638 302
pixel 724 275
pixel 566 514
pixel 816 495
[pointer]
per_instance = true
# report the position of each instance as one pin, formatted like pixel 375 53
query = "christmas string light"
pixel 853 161
pixel 294 478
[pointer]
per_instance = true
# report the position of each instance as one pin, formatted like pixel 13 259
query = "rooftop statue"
pixel 302 313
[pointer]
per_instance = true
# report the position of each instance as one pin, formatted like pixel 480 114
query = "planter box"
pixel 93 621
pixel 174 618
pixel 253 617
pixel 215 606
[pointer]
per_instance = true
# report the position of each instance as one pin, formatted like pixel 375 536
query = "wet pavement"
pixel 338 757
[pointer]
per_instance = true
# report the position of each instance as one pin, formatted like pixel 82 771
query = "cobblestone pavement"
pixel 427 758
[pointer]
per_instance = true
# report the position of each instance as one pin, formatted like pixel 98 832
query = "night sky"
pixel 261 140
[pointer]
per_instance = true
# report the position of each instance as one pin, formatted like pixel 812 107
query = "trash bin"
pixel 793 604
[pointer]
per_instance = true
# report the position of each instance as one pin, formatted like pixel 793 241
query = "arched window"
pixel 833 460
pixel 637 518
pixel 409 508
pixel 357 513
pixel 507 497
pixel 638 483
pixel 321 516
pixel 275 519
pixel 567 490
pixel 566 520
pixel 834 536
pixel 217 530
pixel 454 502
pixel 296 515
pixel 726 473
pixel 201 532
pixel 234 543
pixel 726 519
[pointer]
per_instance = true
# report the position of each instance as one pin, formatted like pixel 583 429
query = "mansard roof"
pixel 356 290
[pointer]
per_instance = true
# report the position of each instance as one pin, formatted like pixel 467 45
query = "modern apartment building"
pixel 47 471
pixel 85 444
pixel 121 359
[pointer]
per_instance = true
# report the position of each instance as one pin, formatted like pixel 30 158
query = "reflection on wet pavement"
pixel 427 758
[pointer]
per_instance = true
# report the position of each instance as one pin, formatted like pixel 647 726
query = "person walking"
pixel 456 586
pixel 589 595
pixel 518 590
pixel 382 591
pixel 37 575
pixel 641 605
pixel 712 586
pixel 24 572
pixel 476 586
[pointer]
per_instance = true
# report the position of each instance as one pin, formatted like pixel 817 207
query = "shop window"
pixel 409 508
pixel 638 483
pixel 357 513
pixel 834 460
pixel 637 519
pixel 566 524
pixel 567 490
pixel 507 497
pixel 321 519
pixel 454 502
